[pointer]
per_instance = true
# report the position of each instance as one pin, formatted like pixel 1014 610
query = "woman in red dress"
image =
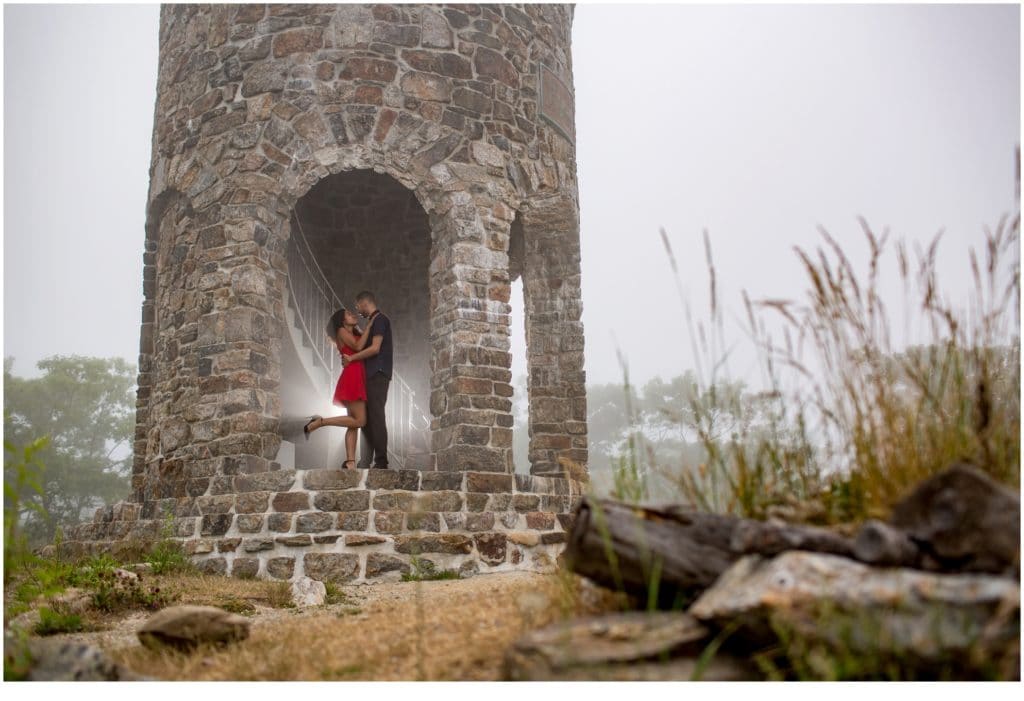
pixel 351 389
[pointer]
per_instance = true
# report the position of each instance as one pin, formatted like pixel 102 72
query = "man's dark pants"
pixel 375 433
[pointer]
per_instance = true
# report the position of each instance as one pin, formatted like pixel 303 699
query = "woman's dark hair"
pixel 336 322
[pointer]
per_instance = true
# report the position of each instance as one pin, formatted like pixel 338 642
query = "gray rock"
pixel 65 661
pixel 331 567
pixel 308 592
pixel 26 621
pixel 125 577
pixel 636 645
pixel 185 627
pixel 73 600
pixel 868 612
pixel 969 521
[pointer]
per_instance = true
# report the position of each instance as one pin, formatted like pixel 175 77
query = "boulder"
pixel 65 661
pixel 124 579
pixel 141 568
pixel 73 600
pixel 308 592
pixel 923 619
pixel 185 627
pixel 964 520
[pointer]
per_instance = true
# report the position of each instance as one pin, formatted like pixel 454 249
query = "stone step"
pixel 288 478
pixel 354 511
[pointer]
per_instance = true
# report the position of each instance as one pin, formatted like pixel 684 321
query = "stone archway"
pixel 358 230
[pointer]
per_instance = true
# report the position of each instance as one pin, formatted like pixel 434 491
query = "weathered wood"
pixel 774 537
pixel 878 543
pixel 932 623
pixel 964 521
pixel 958 521
pixel 622 646
pixel 625 547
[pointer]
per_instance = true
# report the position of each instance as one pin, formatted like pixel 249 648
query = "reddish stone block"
pixel 291 501
pixel 540 520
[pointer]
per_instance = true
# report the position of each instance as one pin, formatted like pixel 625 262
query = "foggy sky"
pixel 755 122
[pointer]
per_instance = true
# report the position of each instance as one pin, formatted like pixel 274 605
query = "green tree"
pixel 86 406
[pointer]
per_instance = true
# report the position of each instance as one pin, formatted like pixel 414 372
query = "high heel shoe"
pixel 305 429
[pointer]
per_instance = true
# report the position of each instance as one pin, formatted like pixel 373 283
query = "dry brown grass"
pixel 208 590
pixel 850 419
pixel 431 630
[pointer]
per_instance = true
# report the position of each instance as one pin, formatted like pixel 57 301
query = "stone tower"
pixel 302 153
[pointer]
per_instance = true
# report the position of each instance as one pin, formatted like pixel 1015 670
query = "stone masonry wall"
pixel 355 525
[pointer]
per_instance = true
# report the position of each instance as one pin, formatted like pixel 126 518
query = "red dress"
pixel 352 383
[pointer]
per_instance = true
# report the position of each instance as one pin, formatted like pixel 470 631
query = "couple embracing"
pixel 363 386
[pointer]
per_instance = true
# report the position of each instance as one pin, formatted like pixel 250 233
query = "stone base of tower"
pixel 352 526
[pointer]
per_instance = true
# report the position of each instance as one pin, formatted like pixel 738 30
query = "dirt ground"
pixel 433 630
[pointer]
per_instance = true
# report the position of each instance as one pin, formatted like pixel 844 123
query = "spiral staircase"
pixel 310 369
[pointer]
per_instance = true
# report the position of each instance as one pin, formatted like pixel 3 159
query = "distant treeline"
pixel 86 409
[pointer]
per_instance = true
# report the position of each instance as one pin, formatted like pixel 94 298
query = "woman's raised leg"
pixel 341 421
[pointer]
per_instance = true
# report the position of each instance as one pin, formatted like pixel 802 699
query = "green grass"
pixel 168 555
pixel 52 622
pixel 425 570
pixel 430 576
pixel 17 658
pixel 239 606
pixel 334 594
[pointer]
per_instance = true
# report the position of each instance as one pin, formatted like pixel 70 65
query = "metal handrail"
pixel 313 299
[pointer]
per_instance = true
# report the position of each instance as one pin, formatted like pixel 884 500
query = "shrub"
pixel 22 473
pixel 115 591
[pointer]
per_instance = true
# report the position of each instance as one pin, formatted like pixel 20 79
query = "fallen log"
pixel 775 537
pixel 670 553
pixel 957 521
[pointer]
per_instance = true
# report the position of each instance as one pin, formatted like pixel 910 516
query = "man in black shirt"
pixel 377 357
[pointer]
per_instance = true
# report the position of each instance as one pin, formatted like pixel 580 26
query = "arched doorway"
pixel 353 231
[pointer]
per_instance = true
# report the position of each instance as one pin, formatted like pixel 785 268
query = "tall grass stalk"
pixel 851 421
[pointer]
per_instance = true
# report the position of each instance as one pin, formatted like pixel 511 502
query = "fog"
pixel 757 123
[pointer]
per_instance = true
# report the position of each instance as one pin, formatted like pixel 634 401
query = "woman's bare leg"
pixel 341 421
pixel 351 435
pixel 356 411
